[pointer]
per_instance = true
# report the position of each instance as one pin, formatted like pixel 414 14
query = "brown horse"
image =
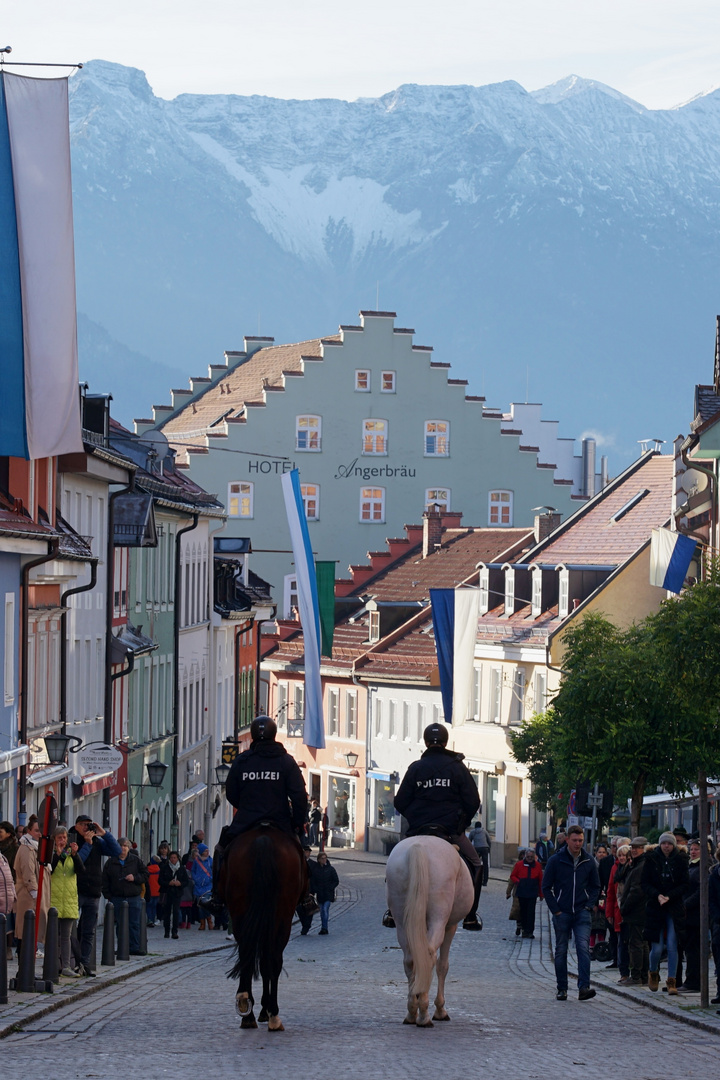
pixel 262 878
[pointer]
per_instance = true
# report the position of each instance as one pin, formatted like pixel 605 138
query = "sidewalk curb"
pixel 657 1006
pixel 100 984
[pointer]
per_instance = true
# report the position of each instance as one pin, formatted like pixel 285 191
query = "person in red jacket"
pixel 613 913
pixel 527 874
pixel 152 893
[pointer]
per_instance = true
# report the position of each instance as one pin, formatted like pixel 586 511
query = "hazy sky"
pixel 661 52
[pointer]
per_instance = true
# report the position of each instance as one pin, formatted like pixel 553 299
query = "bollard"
pixel 51 963
pixel 123 932
pixel 25 982
pixel 3 961
pixel 108 945
pixel 143 929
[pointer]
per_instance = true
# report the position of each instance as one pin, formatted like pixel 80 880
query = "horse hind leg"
pixel 270 976
pixel 244 1006
pixel 412 1000
pixel 442 966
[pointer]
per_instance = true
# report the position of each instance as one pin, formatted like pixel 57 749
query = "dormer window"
pixel 536 600
pixel 484 586
pixel 374 626
pixel 564 594
pixel 509 591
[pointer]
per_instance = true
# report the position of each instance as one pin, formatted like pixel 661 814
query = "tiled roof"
pixel 462 549
pixel 593 537
pixel 243 383
pixel 707 405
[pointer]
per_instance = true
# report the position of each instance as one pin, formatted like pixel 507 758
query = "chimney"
pixel 546 524
pixel 432 530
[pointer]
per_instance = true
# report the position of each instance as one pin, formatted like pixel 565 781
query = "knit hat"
pixel 543 834
pixel 639 841
pixel 667 838
pixel 202 848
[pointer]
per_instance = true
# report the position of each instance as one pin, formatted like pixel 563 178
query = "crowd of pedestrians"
pixel 631 902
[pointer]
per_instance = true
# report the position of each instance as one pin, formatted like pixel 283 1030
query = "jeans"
pixel 88 906
pixel 152 904
pixel 324 912
pixel 134 904
pixel 314 831
pixel 667 934
pixel 577 923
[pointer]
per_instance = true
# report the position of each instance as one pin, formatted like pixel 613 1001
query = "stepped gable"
pixel 596 536
pixel 243 384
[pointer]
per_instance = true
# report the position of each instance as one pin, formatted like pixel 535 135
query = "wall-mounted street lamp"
pixel 156 774
pixel 222 771
pixel 57 746
pixel 351 759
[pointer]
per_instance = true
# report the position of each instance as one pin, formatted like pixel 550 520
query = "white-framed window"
pixel 387 385
pixel 375 437
pixel 392 719
pixel 362 381
pixel 439 497
pixel 495 695
pixel 540 691
pixel 564 593
pixel 372 504
pixel 333 710
pixel 351 714
pixel 290 596
pixel 240 499
pixel 374 626
pixel 437 438
pixel 509 592
pixel 378 718
pixel 477 693
pixel 311 501
pixel 500 508
pixel 536 605
pixel 282 704
pixel 9 658
pixel 436 717
pixel 518 702
pixel 420 721
pixel 484 588
pixel 298 702
pixel 406 721
pixel 308 432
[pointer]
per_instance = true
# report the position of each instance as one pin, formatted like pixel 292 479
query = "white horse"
pixel 429 890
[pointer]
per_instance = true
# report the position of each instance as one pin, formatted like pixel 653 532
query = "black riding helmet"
pixel 263 729
pixel 435 735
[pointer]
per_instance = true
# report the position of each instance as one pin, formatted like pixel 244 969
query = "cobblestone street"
pixel 343 1003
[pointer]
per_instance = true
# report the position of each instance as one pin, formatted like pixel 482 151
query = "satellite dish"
pixel 158 441
pixel 692 481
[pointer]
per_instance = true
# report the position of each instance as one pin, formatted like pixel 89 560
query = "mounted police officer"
pixel 438 796
pixel 264 784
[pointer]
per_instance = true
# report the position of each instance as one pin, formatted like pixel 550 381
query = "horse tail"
pixel 415 919
pixel 257 927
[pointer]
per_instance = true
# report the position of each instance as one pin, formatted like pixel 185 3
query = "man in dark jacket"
pixel 94 844
pixel 123 878
pixel 264 784
pixel 571 888
pixel 714 898
pixel 632 908
pixel 439 791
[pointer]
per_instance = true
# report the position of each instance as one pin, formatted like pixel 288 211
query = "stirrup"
pixel 387 920
pixel 473 924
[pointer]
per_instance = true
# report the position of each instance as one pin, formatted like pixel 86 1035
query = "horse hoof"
pixel 263 1016
pixel 407 1020
pixel 427 1024
pixel 275 1024
pixel 242 1003
pixel 248 1022
pixel 445 1017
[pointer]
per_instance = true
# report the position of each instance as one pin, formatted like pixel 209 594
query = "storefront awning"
pixel 191 793
pixel 51 775
pixel 374 774
pixel 93 782
pixel 13 759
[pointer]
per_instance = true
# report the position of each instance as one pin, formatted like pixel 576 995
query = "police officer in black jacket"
pixel 438 790
pixel 264 784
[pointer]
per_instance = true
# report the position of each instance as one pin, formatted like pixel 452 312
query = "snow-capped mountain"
pixel 561 242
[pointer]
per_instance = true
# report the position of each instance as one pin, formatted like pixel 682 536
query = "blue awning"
pixel 375 775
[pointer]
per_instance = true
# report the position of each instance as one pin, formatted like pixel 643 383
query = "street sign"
pixel 100 758
pixel 572 806
pixel 573 819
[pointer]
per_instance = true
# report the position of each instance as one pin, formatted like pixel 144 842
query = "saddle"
pixel 434 830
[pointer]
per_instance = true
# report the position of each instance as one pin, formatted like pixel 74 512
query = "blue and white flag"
pixel 670 556
pixel 314 726
pixel 455 619
pixel 39 401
